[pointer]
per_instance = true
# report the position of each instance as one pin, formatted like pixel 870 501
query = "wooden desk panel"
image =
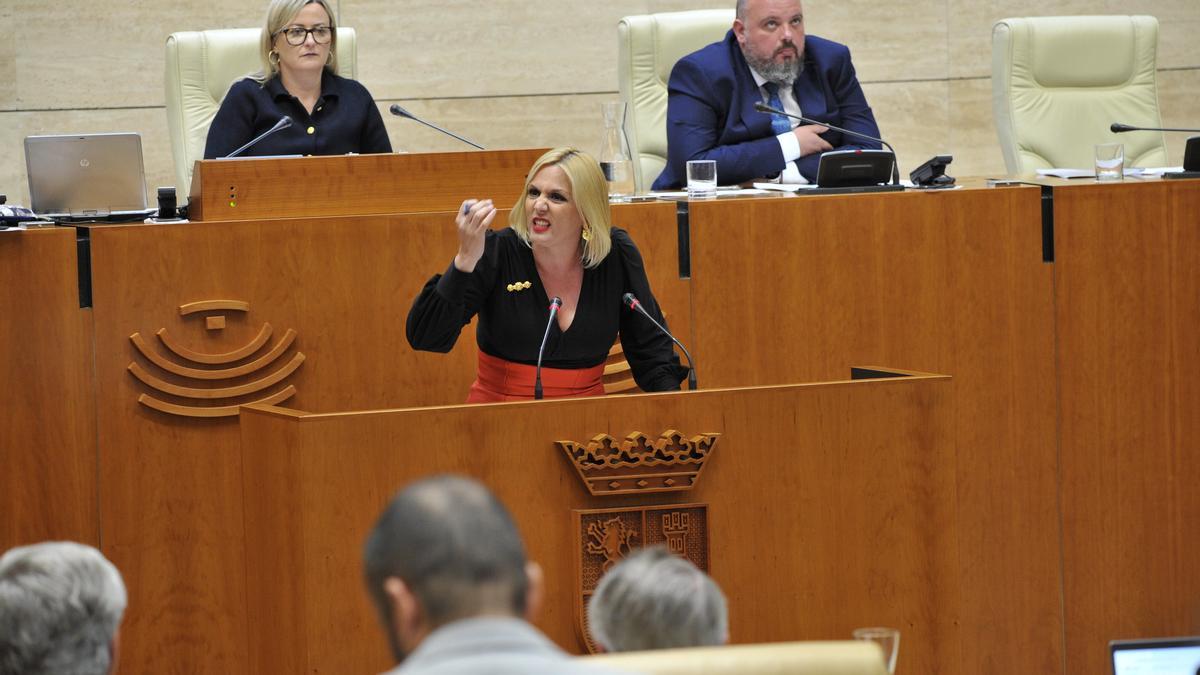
pixel 1128 308
pixel 950 282
pixel 47 411
pixel 831 506
pixel 344 185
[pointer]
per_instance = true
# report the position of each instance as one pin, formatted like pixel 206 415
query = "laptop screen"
pixel 85 174
pixel 1170 656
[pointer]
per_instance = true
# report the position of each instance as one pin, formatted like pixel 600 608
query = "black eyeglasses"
pixel 296 35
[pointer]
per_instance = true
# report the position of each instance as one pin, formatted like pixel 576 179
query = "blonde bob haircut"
pixel 280 14
pixel 590 192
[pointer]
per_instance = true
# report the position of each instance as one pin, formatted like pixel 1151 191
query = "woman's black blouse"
pixel 344 120
pixel 511 323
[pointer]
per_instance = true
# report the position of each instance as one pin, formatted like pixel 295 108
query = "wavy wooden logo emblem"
pixel 210 385
pixel 639 464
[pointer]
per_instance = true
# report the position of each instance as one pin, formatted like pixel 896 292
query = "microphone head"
pixel 399 111
pixel 630 301
pixel 284 122
pixel 1117 128
pixel 555 303
pixel 762 107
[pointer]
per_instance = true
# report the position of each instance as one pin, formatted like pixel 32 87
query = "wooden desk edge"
pixel 892 376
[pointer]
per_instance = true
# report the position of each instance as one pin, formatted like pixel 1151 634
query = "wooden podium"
pixel 818 508
pixel 351 185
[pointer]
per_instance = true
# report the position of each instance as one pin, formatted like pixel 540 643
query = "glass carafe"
pixel 615 159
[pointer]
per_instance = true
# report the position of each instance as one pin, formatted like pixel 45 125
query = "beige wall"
pixel 510 74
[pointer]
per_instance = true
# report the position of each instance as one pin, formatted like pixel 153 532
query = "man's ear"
pixel 739 31
pixel 535 593
pixel 407 617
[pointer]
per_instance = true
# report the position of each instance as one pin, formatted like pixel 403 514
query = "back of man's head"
pixel 454 545
pixel 654 599
pixel 60 606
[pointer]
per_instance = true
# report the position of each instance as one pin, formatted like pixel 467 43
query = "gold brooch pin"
pixel 519 286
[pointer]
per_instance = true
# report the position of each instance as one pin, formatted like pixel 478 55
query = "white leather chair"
pixel 1058 83
pixel 648 47
pixel 851 657
pixel 201 66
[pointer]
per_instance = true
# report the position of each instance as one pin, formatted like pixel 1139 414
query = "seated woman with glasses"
pixel 330 115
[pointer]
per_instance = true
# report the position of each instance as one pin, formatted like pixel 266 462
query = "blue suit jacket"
pixel 711 115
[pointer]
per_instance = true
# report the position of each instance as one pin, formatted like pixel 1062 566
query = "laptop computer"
pixel 1164 656
pixel 86 176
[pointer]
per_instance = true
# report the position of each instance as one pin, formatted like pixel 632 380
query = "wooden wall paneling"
pixel 951 282
pixel 830 507
pixel 1127 285
pixel 654 229
pixel 1001 353
pixel 47 414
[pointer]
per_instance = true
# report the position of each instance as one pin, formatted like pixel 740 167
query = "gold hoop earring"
pixel 587 235
pixel 273 57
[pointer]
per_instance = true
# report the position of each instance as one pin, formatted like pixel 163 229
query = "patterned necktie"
pixel 779 123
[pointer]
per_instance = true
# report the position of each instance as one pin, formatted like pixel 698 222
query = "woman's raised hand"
pixel 473 220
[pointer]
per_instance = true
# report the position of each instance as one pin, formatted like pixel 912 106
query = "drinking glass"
pixel 1110 161
pixel 888 640
pixel 702 179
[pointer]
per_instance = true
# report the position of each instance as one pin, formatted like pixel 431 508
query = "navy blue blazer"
pixel 711 115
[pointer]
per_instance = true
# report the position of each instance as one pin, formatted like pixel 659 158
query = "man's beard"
pixel 782 73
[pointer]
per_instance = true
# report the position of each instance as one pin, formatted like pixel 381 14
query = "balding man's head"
pixel 456 550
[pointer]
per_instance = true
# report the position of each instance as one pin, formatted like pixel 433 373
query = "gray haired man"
pixel 654 599
pixel 447 571
pixel 60 606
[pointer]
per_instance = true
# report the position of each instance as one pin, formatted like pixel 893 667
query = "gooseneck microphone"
pixel 764 108
pixel 1118 128
pixel 283 123
pixel 1191 152
pixel 632 303
pixel 401 112
pixel 555 304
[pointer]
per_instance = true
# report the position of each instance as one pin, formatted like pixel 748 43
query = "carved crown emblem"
pixel 639 464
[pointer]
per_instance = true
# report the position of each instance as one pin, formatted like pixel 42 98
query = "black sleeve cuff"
pixel 453 284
